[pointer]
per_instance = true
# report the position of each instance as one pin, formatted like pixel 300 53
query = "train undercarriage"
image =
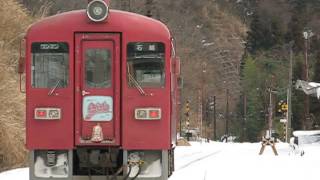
pixel 96 163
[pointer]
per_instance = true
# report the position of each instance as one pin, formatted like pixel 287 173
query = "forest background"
pixel 234 50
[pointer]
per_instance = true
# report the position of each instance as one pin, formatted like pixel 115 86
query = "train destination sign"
pixel 145 47
pixel 50 47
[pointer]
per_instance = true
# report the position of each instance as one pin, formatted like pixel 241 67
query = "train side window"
pixel 98 68
pixel 146 64
pixel 50 65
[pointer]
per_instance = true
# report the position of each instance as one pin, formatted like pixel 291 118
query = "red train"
pixel 101 96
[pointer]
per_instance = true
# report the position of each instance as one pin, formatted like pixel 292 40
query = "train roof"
pixel 118 21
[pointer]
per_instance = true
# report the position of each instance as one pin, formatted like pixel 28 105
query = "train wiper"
pixel 50 93
pixel 136 83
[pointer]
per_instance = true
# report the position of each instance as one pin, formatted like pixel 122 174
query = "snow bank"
pixel 16 174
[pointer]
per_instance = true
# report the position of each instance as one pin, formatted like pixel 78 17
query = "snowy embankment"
pixel 232 161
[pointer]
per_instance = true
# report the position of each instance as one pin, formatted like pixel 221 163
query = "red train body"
pixel 102 96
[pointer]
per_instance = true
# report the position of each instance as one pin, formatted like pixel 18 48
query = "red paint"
pixel 124 130
pixel 111 129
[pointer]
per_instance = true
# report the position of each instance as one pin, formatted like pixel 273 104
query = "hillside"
pixel 206 36
pixel 12 131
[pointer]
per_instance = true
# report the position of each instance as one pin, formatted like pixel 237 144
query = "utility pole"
pixel 214 119
pixel 200 112
pixel 187 113
pixel 307 33
pixel 244 116
pixel 268 140
pixel 211 109
pixel 207 119
pixel 289 95
pixel 227 114
pixel 270 113
pixel 306 78
pixel 203 107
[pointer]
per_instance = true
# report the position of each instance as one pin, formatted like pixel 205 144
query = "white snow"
pixel 309 87
pixel 306 133
pixel 16 174
pixel 313 84
pixel 237 161
pixel 232 161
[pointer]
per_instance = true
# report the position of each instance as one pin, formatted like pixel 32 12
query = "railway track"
pixel 185 165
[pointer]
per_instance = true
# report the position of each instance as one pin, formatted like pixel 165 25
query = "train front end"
pixel 101 96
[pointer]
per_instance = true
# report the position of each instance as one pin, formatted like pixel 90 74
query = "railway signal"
pixel 282 108
pixel 187 110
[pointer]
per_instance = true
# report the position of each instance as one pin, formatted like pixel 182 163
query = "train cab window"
pixel 50 65
pixel 146 64
pixel 98 68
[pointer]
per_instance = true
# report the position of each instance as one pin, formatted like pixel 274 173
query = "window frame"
pixel 163 83
pixel 110 61
pixel 48 49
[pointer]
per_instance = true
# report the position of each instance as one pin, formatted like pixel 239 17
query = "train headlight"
pixel 147 113
pixel 97 10
pixel 141 114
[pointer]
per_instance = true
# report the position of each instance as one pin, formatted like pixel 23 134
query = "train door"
pixel 97 89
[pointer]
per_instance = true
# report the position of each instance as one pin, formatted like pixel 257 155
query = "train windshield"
pixel 146 64
pixel 50 65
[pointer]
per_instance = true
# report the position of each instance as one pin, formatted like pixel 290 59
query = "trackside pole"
pixel 268 142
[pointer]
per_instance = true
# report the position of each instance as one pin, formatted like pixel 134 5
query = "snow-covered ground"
pixel 234 161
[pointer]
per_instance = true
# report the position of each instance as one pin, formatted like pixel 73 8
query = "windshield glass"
pixel 98 68
pixel 146 64
pixel 50 65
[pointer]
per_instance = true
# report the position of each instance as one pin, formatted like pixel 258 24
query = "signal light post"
pixel 283 109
